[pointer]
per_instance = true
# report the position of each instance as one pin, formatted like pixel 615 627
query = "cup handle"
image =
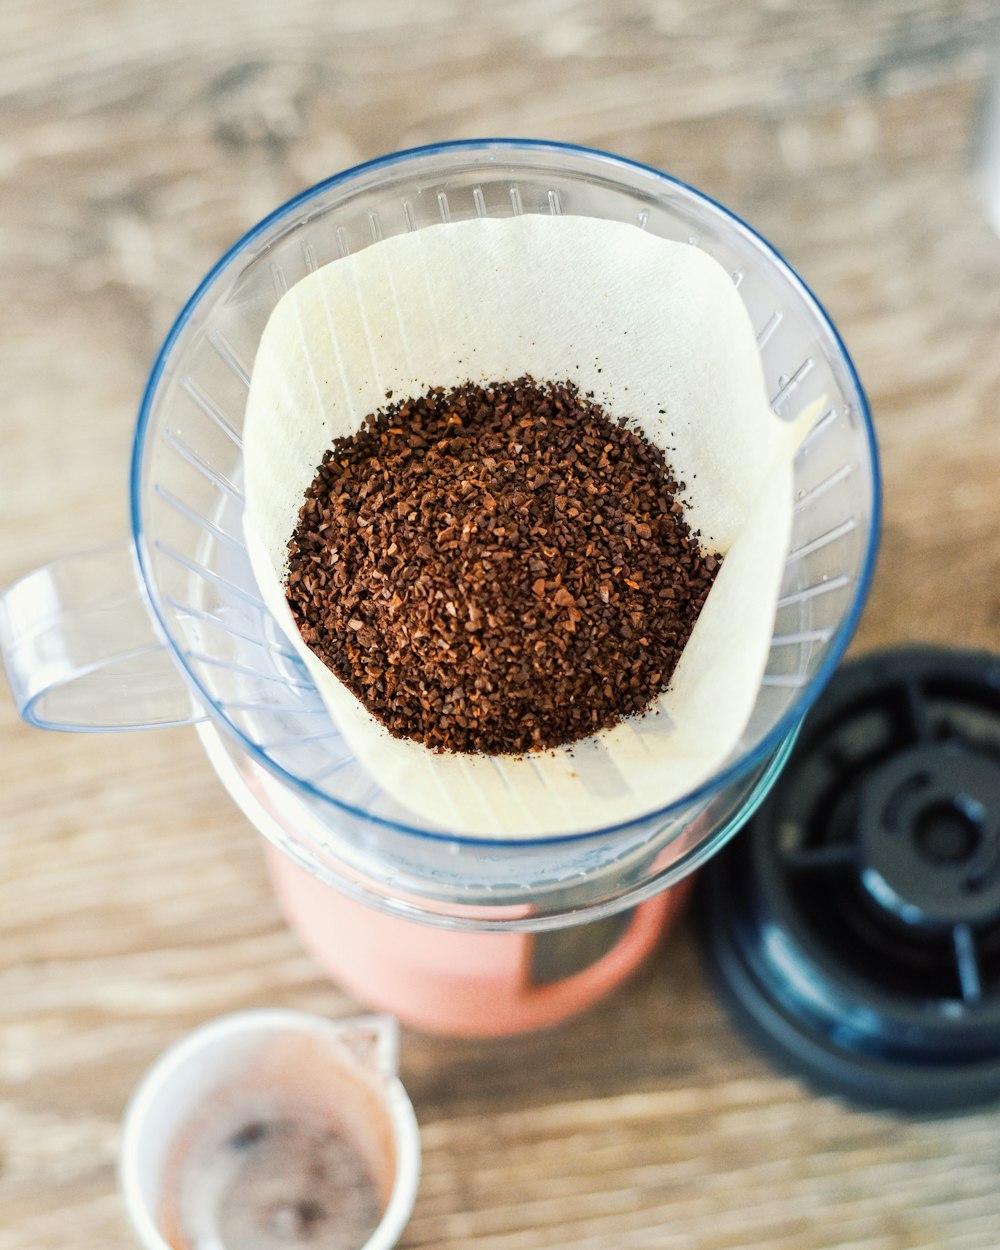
pixel 374 1042
pixel 82 652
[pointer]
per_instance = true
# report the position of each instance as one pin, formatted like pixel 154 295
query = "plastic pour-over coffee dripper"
pixel 169 627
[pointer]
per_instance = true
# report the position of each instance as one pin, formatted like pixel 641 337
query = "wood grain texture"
pixel 137 140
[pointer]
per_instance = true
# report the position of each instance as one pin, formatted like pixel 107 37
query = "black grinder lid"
pixel 853 926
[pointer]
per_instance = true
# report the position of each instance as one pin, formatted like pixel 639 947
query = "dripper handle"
pixel 82 652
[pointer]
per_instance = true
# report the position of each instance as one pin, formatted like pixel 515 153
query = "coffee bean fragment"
pixel 497 569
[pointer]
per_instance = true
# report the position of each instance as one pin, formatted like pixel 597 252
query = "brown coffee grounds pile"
pixel 496 570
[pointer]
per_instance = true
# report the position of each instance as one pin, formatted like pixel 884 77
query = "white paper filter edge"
pixel 656 330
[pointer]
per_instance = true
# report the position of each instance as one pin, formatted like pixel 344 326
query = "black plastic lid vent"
pixel 854 925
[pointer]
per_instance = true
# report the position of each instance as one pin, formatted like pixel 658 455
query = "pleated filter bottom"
pixel 655 330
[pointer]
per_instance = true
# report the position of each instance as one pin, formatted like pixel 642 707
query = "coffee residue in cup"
pixel 497 569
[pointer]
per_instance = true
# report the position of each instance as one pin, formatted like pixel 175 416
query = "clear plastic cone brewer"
pixel 199 636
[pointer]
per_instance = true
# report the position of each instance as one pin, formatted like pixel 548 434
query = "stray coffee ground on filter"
pixel 497 569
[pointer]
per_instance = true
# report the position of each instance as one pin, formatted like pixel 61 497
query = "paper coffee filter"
pixel 656 330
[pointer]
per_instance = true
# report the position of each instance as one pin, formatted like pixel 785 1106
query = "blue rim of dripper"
pixel 769 744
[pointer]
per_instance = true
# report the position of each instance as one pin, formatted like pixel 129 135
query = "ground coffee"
pixel 497 569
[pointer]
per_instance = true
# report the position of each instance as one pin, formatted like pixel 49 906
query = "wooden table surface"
pixel 138 138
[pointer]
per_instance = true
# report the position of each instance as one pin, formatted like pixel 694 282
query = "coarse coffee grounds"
pixel 497 569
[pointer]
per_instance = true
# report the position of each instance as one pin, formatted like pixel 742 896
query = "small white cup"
pixel 261 1124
